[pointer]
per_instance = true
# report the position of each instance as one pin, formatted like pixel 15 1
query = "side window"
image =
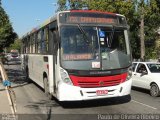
pixel 32 44
pixel 46 35
pixel 134 66
pixel 43 39
pixel 53 41
pixel 39 41
pixel 34 39
pixel 36 42
pixel 141 68
pixel 28 44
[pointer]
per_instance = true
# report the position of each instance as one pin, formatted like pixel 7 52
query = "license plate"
pixel 101 92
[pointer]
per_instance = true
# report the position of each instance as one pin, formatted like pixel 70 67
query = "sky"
pixel 27 14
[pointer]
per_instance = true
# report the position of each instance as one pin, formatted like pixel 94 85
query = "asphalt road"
pixel 33 104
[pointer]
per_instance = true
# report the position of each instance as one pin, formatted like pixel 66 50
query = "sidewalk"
pixel 4 102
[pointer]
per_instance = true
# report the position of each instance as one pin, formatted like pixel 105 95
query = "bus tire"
pixel 27 76
pixel 46 88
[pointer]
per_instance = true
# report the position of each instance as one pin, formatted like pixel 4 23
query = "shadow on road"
pixel 141 90
pixel 49 104
pixel 16 76
pixel 42 103
pixel 96 103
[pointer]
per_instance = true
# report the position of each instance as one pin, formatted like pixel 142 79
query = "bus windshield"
pixel 91 48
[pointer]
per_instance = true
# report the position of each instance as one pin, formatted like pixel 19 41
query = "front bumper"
pixel 74 93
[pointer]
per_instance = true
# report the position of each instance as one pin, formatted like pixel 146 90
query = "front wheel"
pixel 27 76
pixel 154 90
pixel 46 88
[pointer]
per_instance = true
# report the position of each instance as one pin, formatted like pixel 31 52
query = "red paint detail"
pixel 92 11
pixel 47 66
pixel 88 82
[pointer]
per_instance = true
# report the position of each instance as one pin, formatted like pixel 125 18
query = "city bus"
pixel 79 55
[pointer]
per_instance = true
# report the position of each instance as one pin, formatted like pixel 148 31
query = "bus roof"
pixel 49 20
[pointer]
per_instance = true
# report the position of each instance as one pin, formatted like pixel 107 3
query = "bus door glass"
pixel 53 47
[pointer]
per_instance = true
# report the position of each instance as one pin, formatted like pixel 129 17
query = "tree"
pixel 151 24
pixel 16 45
pixel 70 4
pixel 145 22
pixel 141 11
pixel 7 35
pixel 62 5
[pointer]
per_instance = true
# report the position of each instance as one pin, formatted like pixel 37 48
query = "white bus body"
pixel 67 76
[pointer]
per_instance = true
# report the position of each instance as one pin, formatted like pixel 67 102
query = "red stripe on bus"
pixel 47 66
pixel 93 11
pixel 103 81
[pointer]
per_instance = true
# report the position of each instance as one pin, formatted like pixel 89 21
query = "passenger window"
pixel 141 68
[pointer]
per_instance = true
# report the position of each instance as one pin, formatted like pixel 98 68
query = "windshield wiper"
pixel 112 35
pixel 84 34
pixel 87 39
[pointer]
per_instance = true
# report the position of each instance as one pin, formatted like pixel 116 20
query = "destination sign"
pixel 77 56
pixel 73 19
pixel 89 18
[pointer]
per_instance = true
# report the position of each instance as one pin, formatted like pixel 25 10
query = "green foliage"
pixel 62 5
pixel 7 35
pixel 16 45
pixel 151 53
pixel 152 23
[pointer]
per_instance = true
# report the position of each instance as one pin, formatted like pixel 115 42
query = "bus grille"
pixel 90 82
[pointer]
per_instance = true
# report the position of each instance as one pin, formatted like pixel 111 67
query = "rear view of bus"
pixel 94 56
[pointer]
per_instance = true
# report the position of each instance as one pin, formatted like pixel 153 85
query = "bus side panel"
pixel 50 75
pixel 58 78
pixel 37 67
pixel 54 77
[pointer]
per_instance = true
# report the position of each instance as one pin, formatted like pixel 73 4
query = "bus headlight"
pixel 129 74
pixel 65 77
